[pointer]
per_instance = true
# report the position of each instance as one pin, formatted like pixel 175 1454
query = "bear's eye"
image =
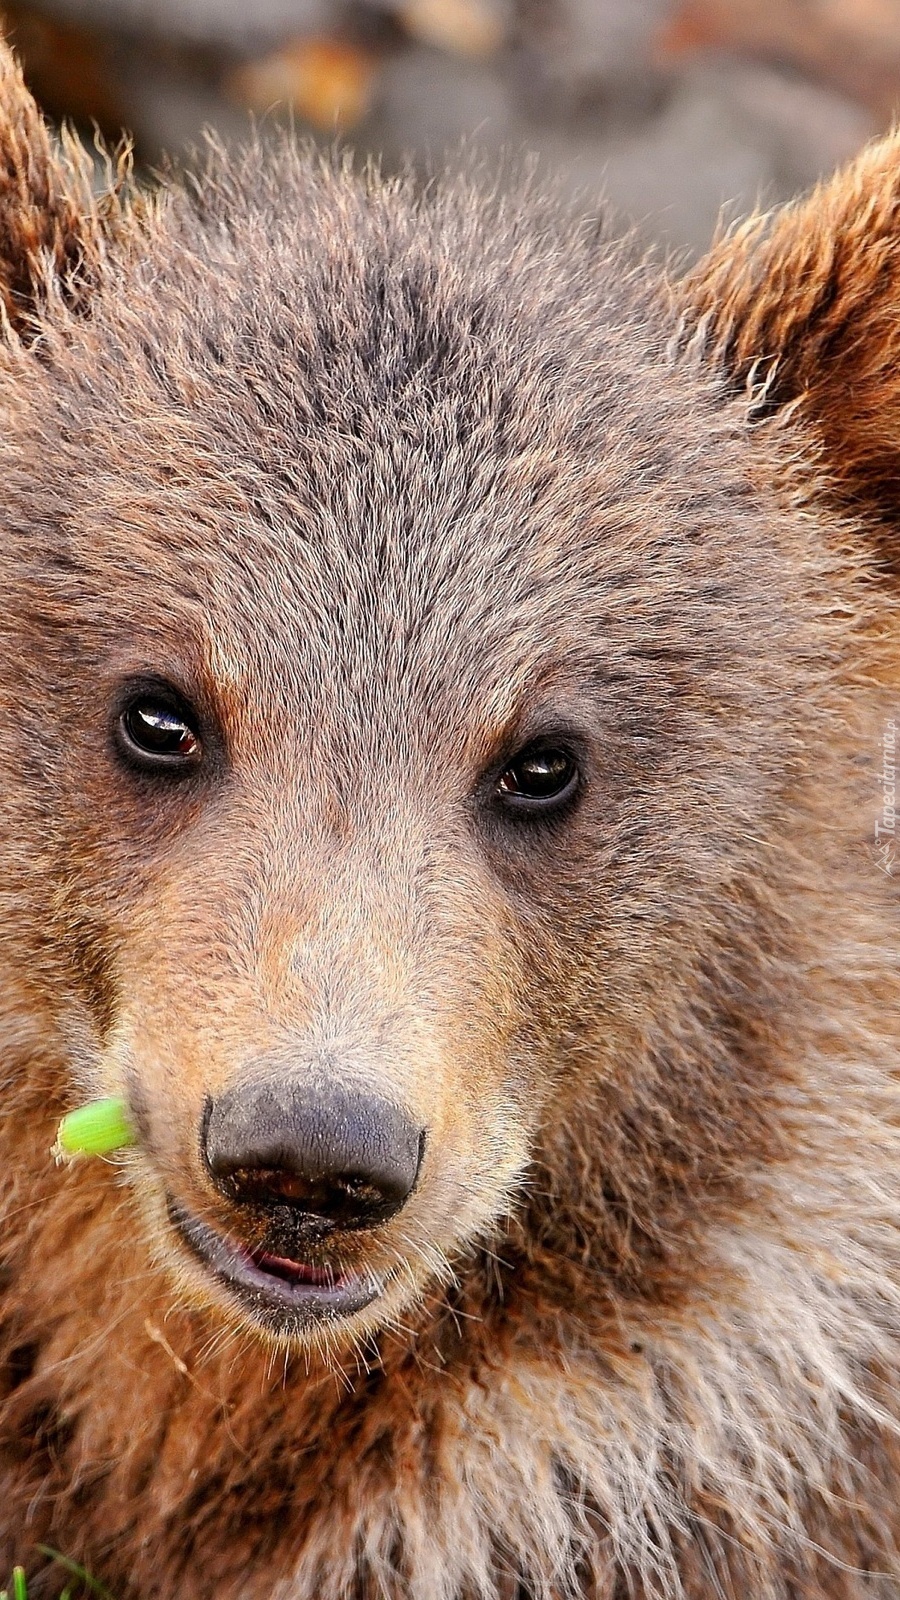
pixel 159 731
pixel 542 777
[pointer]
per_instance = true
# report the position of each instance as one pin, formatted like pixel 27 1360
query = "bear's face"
pixel 403 701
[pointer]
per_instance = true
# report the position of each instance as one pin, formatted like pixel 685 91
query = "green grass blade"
pixel 20 1585
pixel 96 1129
pixel 78 1572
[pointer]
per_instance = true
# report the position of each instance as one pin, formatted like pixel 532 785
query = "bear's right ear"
pixel 55 229
pixel 804 305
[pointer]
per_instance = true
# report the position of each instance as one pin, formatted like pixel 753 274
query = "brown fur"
pixel 56 230
pixel 804 304
pixel 385 482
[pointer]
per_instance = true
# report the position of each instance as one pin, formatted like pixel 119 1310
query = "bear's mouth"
pixel 286 1296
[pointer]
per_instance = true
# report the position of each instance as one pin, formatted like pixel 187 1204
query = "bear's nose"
pixel 334 1158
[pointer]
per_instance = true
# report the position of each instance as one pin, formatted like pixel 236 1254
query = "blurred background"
pixel 670 108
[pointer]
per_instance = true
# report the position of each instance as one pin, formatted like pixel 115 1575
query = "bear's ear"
pixel 804 305
pixel 55 228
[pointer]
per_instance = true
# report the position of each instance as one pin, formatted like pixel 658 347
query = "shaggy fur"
pixel 806 301
pixel 389 484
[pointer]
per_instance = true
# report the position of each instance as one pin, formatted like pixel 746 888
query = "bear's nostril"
pixel 333 1158
pixel 346 1199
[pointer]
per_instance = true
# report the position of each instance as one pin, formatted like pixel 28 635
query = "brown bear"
pixel 449 704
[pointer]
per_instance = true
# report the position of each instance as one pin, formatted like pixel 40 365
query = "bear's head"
pixel 412 644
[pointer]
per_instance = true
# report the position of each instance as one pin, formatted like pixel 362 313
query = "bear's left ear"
pixel 55 228
pixel 805 303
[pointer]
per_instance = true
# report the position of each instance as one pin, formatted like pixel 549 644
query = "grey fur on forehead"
pixel 329 307
pixel 375 395
pixel 284 229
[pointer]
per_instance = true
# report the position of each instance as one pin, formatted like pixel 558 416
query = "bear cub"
pixel 449 681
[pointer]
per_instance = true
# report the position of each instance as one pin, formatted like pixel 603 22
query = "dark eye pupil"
pixel 539 774
pixel 159 730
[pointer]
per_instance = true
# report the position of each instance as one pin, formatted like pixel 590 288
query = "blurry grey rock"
pixel 243 25
pixel 169 111
pixel 807 129
pixel 432 106
pixel 591 38
pixel 671 177
pixel 731 137
pixel 594 56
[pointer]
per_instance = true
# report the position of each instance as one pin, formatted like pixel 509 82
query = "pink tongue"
pixel 297 1271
